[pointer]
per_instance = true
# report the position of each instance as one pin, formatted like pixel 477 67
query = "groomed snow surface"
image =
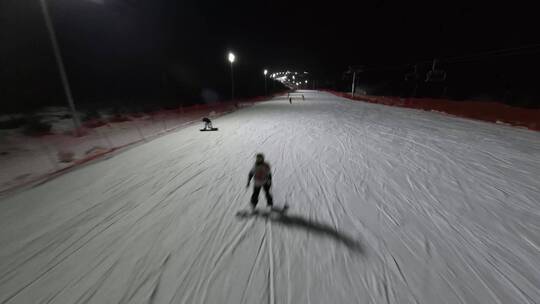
pixel 387 205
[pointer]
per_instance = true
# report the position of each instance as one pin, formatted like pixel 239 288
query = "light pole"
pixel 231 60
pixel 60 63
pixel 265 87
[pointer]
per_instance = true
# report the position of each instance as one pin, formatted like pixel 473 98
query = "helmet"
pixel 259 158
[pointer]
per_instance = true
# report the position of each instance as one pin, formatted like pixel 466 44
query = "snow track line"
pixel 271 290
pixel 258 257
pixel 257 260
pixel 53 266
pixel 226 249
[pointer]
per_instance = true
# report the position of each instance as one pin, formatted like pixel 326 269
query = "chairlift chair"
pixel 412 75
pixel 435 75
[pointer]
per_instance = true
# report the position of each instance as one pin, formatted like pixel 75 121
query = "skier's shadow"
pixel 297 221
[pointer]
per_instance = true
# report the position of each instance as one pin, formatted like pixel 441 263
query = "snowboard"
pixel 213 129
pixel 262 212
pixel 246 213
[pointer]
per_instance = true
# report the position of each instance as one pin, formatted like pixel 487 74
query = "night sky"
pixel 165 50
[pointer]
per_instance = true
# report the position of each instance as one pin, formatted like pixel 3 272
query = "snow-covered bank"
pixel 481 110
pixel 27 159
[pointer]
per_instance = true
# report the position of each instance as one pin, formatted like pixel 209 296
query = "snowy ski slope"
pixel 387 205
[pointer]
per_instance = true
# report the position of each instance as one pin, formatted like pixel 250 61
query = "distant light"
pixel 293 77
pixel 306 81
pixel 231 57
pixel 265 72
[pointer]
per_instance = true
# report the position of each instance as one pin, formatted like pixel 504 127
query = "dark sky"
pixel 142 48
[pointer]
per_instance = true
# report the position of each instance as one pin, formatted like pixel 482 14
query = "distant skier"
pixel 262 177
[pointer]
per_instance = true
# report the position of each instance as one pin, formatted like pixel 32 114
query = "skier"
pixel 262 178
pixel 207 123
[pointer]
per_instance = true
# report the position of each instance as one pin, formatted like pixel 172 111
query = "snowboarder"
pixel 207 123
pixel 262 177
